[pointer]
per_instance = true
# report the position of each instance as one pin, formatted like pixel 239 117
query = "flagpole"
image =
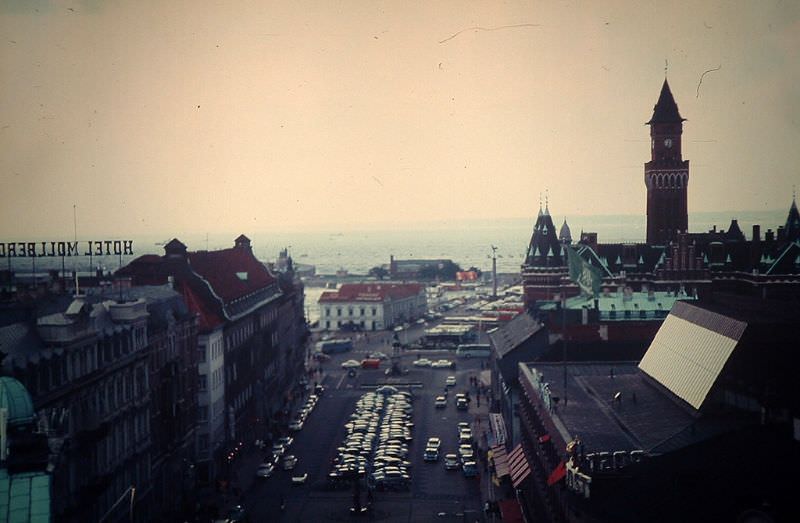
pixel 564 339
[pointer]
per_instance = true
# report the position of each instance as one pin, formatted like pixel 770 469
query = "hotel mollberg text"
pixel 53 249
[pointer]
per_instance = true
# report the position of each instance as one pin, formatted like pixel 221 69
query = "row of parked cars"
pixel 300 418
pixel 375 447
pixel 465 459
pixel 279 455
pixel 438 364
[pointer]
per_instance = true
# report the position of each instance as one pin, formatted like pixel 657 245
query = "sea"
pixel 469 243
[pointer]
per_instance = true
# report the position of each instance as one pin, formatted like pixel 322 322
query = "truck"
pixel 334 346
pixel 370 363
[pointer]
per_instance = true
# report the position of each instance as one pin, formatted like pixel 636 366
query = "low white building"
pixel 372 306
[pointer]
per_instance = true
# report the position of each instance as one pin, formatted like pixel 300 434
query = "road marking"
pixel 340 381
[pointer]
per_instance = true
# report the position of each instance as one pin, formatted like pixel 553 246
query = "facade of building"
pixel 250 325
pixel 372 306
pixel 87 371
pixel 422 269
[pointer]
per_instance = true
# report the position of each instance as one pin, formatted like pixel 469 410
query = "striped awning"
pixel 518 465
pixel 500 458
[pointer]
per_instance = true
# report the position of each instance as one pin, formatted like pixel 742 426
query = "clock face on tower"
pixel 668 143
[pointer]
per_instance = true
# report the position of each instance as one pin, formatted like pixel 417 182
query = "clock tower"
pixel 666 175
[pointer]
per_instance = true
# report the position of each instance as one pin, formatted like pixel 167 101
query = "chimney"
pixel 756 233
pixel 769 237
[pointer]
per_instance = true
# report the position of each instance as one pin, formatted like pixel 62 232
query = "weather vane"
pixel 666 67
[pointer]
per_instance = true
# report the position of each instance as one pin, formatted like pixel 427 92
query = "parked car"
pixel 299 480
pixel 440 402
pixel 422 362
pixel 351 364
pixel 450 461
pixel 296 424
pixel 265 470
pixel 470 469
pixel 289 462
pixel 431 454
pixel 433 442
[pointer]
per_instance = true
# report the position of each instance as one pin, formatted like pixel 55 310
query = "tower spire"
pixel 547 201
pixel 540 203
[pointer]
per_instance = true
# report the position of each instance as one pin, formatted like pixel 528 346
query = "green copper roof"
pixel 25 497
pixel 15 398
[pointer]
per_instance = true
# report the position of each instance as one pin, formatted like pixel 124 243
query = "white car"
pixel 451 462
pixel 351 364
pixel 265 470
pixel 433 442
pixel 422 362
pixel 450 381
pixel 379 355
pixel 442 364
pixel 289 462
pixel 296 425
pixel 440 402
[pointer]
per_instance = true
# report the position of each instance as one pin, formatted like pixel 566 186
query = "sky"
pixel 189 117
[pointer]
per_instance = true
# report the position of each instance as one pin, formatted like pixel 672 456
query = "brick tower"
pixel 666 175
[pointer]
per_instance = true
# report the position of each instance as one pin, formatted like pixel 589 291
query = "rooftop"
pixel 371 292
pixel 643 418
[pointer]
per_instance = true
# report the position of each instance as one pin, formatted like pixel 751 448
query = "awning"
pixel 500 459
pixel 510 511
pixel 518 465
pixel 558 473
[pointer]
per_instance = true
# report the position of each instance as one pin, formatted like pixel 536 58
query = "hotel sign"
pixel 42 249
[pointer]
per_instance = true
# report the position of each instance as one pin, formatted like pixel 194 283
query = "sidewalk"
pixel 480 426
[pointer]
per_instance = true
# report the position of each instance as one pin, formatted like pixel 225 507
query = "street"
pixel 435 493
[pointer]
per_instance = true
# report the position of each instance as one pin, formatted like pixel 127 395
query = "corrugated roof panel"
pixel 687 357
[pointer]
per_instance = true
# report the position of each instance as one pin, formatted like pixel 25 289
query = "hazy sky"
pixel 245 116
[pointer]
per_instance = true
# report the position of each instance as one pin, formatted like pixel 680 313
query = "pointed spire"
pixel 547 202
pixel 565 235
pixel 792 227
pixel 665 110
pixel 540 204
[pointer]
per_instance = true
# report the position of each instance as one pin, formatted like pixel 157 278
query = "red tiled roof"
pixel 232 273
pixel 371 292
pixel 208 319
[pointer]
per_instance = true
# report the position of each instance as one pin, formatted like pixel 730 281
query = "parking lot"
pixel 433 492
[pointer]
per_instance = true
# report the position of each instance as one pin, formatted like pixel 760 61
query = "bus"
pixel 334 346
pixel 474 350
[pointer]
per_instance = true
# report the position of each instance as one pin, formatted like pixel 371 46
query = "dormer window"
pixel 242 276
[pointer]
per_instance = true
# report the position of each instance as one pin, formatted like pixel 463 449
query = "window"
pixel 374 311
pixel 202 413
pixel 327 311
pixel 339 311
pixel 202 382
pixel 362 311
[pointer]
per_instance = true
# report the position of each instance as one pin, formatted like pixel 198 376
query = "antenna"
pixel 75 238
pixel 666 67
